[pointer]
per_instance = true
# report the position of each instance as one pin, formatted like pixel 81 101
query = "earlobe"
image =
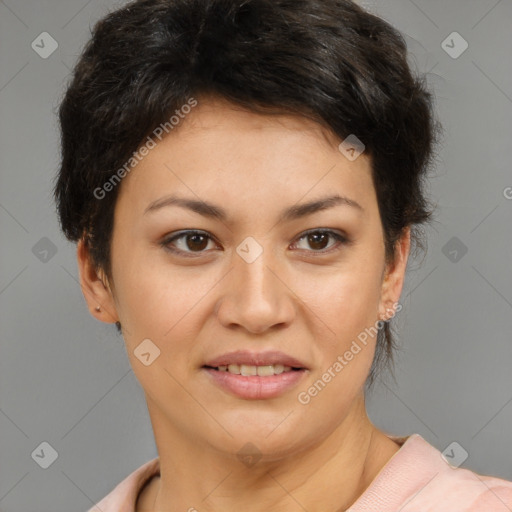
pixel 394 276
pixel 95 286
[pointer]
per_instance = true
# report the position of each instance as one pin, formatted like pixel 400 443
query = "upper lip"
pixel 255 359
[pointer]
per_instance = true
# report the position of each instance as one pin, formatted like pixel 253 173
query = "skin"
pixel 291 298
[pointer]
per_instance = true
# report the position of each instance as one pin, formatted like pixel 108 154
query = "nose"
pixel 255 296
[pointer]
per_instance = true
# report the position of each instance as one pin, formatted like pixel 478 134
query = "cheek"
pixel 163 307
pixel 162 304
pixel 345 309
pixel 346 300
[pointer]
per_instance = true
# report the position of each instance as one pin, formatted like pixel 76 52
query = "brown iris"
pixel 316 240
pixel 199 241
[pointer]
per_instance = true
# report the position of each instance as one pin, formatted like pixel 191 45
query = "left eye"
pixel 318 239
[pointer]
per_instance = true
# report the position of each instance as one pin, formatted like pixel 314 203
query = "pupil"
pixel 196 237
pixel 313 240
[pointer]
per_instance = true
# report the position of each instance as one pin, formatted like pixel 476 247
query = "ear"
pixel 95 287
pixel 394 275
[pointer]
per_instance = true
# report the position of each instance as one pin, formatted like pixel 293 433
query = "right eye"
pixel 188 243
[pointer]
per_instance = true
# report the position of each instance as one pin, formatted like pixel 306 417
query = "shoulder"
pixel 466 491
pixel 124 495
pixel 441 484
pixel 418 478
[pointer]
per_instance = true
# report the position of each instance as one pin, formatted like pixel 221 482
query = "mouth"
pixel 248 370
pixel 255 376
pixel 256 382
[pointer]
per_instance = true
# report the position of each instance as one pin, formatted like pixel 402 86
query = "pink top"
pixel 416 479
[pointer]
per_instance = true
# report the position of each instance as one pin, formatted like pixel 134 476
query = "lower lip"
pixel 254 387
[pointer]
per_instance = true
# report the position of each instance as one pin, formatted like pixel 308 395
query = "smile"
pixel 262 371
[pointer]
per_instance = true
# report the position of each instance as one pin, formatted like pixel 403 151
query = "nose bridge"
pixel 254 277
pixel 256 298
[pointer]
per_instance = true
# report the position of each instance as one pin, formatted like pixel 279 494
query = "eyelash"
pixel 343 240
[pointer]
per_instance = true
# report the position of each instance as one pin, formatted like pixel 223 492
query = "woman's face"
pixel 252 280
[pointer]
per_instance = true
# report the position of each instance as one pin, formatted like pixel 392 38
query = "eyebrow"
pixel 212 211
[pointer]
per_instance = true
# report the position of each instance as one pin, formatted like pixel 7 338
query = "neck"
pixel 195 476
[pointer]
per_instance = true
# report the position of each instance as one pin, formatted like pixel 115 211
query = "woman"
pixel 244 183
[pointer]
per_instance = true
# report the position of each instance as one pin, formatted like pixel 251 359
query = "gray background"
pixel 65 377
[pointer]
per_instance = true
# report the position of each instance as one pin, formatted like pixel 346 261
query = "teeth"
pixel 279 368
pixel 262 371
pixel 245 369
pixel 233 368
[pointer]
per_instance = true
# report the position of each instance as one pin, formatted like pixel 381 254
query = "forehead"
pixel 213 112
pixel 238 156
